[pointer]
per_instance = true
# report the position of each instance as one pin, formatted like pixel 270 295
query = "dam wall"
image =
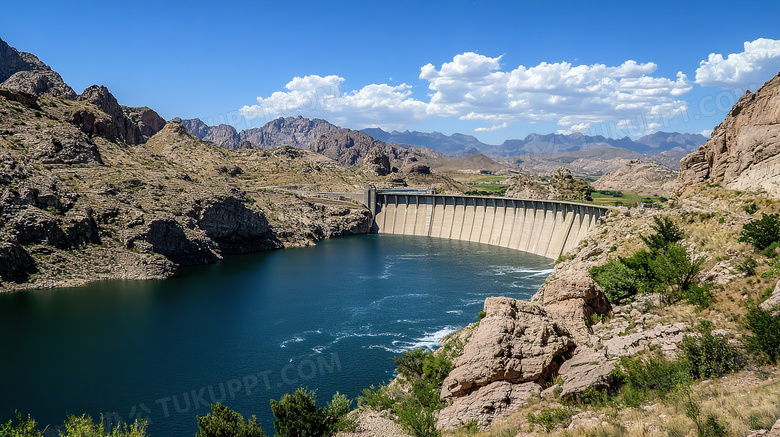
pixel 542 227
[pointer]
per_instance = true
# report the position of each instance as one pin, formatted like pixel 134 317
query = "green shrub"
pixel 419 421
pixel 750 208
pixel 297 415
pixel 771 250
pixel 481 315
pixel 83 426
pixel 24 428
pixel 699 294
pixel 616 279
pixel 224 422
pixel 656 375
pixel 421 364
pixel 709 355
pixel 667 232
pixel 761 233
pixel 551 418
pixel 764 342
pixel 376 398
pixel 710 426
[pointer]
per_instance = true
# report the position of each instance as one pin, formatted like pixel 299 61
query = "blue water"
pixel 245 330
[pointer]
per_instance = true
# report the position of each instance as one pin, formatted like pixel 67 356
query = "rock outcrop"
pixel 376 162
pixel 560 186
pixel 743 152
pixel 640 177
pixel 346 146
pixel 516 342
pixel 485 405
pixel 572 299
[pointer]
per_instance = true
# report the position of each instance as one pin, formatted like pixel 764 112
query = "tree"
pixel 297 415
pixel 667 232
pixel 761 233
pixel 24 428
pixel 224 422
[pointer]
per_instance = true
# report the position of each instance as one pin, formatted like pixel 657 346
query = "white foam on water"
pixel 510 270
pixel 458 312
pixel 429 340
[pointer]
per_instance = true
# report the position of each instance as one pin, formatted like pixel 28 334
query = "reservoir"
pixel 247 329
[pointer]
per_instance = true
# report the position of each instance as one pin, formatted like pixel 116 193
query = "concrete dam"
pixel 542 227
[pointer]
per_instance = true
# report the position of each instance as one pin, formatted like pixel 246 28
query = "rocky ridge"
pixel 743 152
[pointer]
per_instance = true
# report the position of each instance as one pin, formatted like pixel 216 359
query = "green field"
pixel 619 198
pixel 488 190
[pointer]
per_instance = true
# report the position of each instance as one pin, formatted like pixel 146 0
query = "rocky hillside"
pixel 646 178
pixel 743 152
pixel 560 186
pixel 91 190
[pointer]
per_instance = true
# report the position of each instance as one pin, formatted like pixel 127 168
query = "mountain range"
pixel 301 132
pixel 467 145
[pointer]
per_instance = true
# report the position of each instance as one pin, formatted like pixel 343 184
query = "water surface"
pixel 247 329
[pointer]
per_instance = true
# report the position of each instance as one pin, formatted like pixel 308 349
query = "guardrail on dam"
pixel 542 227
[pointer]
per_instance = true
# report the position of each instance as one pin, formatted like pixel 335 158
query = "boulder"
pixel 572 299
pixel 35 226
pixel 516 342
pixel 587 368
pixel 487 404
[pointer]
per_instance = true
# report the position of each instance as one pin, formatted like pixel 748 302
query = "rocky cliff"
pixel 743 152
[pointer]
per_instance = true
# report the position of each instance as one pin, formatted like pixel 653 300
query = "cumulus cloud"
pixel 475 87
pixel 757 63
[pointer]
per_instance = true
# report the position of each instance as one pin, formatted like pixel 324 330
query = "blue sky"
pixel 496 70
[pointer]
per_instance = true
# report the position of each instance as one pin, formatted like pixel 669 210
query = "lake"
pixel 247 329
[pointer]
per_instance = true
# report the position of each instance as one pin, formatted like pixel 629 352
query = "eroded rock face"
pixel 572 299
pixel 232 226
pixel 516 342
pixel 486 404
pixel 743 151
pixel 164 235
pixel 148 120
pixel 131 125
pixel 666 337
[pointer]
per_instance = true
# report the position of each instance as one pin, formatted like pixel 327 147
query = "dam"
pixel 541 227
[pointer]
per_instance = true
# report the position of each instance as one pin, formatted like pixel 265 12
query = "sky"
pixel 497 70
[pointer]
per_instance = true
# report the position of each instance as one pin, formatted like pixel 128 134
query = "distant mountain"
pixel 291 131
pixel 467 145
pixel 452 145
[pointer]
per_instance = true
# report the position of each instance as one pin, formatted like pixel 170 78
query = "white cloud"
pixel 475 87
pixel 492 128
pixel 706 132
pixel 757 63
pixel 385 105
